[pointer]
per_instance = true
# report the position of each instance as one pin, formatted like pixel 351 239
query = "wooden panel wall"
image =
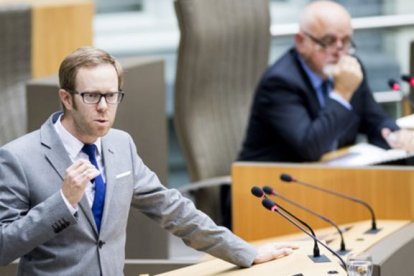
pixel 389 190
pixel 58 28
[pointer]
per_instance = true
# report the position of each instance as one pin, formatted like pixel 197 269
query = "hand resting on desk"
pixel 273 251
pixel 400 139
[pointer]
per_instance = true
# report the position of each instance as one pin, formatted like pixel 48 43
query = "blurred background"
pixel 149 27
pixel 145 33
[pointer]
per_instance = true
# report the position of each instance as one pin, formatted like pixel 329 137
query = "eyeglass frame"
pixel 351 48
pixel 120 95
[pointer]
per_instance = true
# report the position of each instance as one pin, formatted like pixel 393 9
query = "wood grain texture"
pixel 58 28
pixel 299 263
pixel 389 190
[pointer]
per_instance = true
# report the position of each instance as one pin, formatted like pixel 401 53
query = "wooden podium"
pixel 300 262
pixel 389 190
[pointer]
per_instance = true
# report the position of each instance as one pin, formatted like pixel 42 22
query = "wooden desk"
pixel 299 261
pixel 389 190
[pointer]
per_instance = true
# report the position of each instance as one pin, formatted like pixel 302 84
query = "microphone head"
pixel 286 177
pixel 394 85
pixel 268 204
pixel 268 190
pixel 409 79
pixel 256 191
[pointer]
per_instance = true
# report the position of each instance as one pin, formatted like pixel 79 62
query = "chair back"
pixel 223 50
pixel 15 69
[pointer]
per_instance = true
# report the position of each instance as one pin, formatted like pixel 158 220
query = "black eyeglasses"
pixel 329 43
pixel 95 97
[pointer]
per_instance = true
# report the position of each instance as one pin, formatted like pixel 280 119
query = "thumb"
pixel 385 132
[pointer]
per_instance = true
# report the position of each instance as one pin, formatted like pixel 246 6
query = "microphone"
pixel 256 191
pixel 287 178
pixel 409 79
pixel 272 206
pixel 394 85
pixel 407 103
pixel 269 191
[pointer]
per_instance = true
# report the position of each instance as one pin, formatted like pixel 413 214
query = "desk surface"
pixel 356 239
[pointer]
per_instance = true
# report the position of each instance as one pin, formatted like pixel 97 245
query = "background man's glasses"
pixel 330 43
pixel 95 97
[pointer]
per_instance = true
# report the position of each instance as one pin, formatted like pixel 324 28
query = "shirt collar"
pixel 315 79
pixel 72 145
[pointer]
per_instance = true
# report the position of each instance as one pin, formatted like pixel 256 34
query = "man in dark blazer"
pixel 315 98
pixel 66 189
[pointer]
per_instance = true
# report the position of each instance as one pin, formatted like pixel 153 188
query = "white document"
pixel 364 154
pixel 406 122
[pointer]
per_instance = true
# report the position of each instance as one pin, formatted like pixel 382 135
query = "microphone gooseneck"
pixel 287 178
pixel 269 191
pixel 272 206
pixel 258 192
pixel 395 86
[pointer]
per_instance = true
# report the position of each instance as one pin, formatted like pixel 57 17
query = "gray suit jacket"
pixel 37 226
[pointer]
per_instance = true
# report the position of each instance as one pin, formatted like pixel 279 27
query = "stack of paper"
pixel 366 154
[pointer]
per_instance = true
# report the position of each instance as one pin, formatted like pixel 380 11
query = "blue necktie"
pixel 99 200
pixel 325 91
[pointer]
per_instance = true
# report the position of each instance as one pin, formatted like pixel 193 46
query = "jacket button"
pixel 100 244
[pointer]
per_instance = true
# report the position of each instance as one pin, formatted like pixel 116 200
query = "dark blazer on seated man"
pixel 288 124
pixel 315 98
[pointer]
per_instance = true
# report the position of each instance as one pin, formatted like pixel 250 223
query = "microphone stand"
pixel 268 190
pixel 287 178
pixel 256 191
pixel 270 205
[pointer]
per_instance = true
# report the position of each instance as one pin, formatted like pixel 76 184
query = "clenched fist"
pixel 77 176
pixel 347 74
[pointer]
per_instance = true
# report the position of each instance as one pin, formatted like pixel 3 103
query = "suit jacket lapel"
pixel 59 159
pixel 305 85
pixel 108 155
pixel 53 148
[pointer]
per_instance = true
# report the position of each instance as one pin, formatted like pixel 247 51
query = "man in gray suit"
pixel 66 189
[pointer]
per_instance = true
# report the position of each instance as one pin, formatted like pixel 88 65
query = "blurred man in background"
pixel 315 98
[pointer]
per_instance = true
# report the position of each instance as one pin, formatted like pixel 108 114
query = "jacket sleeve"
pixel 179 216
pixel 23 226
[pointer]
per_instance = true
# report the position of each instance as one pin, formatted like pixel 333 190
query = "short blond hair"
pixel 85 57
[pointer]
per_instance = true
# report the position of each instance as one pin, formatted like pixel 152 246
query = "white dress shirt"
pixel 74 149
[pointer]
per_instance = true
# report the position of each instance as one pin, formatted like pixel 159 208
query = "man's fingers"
pixel 279 253
pixel 274 251
pixel 91 173
pixel 385 132
pixel 285 245
pixel 273 255
pixel 77 177
pixel 82 169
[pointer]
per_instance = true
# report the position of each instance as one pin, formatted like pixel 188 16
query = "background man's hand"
pixel 348 76
pixel 273 251
pixel 400 139
pixel 77 176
